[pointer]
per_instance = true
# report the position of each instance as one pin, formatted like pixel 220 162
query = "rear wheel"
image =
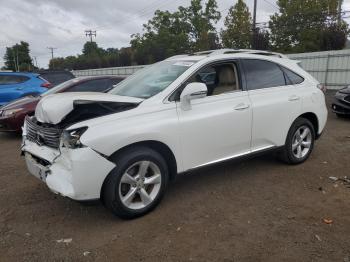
pixel 299 143
pixel 137 184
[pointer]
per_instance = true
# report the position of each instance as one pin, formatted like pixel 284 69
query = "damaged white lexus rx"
pixel 183 113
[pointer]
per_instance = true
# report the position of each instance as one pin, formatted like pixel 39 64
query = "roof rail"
pixel 237 51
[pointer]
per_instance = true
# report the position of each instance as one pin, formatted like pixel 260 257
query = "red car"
pixel 12 114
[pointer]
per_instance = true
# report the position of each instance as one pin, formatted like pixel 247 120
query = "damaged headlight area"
pixel 71 138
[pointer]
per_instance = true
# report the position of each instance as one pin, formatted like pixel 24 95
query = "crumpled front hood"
pixel 52 109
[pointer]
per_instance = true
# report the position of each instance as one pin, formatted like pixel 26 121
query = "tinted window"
pixel 12 79
pixel 292 78
pixel 97 85
pixel 116 80
pixel 262 74
pixel 56 78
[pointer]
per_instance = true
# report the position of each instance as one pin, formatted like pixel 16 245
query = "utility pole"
pixel 90 33
pixel 52 48
pixel 254 15
pixel 35 62
pixel 15 58
pixel 254 25
pixel 340 2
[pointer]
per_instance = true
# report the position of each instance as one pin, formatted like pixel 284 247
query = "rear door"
pixel 276 102
pixel 11 87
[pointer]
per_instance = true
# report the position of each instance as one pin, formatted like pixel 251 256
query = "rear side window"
pixel 12 79
pixel 56 78
pixel 291 77
pixel 262 74
pixel 97 85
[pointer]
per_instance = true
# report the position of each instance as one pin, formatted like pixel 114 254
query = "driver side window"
pixel 220 78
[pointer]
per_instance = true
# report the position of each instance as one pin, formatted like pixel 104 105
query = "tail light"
pixel 46 85
pixel 322 87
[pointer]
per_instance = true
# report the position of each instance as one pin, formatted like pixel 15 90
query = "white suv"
pixel 183 113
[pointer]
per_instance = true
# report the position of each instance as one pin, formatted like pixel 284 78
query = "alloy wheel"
pixel 140 184
pixel 302 141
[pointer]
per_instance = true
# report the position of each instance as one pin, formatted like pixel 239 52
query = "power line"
pixel 90 34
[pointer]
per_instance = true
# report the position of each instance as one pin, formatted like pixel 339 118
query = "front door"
pixel 217 127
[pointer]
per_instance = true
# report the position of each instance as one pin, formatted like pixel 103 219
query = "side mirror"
pixel 192 91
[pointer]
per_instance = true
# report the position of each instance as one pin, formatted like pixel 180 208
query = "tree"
pixel 335 36
pixel 166 34
pixel 17 57
pixel 238 23
pixel 300 26
pixel 261 39
pixel 200 20
pixel 91 48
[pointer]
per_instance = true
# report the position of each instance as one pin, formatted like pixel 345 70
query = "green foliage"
pixel 238 23
pixel 261 40
pixel 299 26
pixel 17 57
pixel 186 30
pixel 302 25
pixel 93 57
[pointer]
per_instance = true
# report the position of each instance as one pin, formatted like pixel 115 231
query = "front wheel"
pixel 137 184
pixel 299 143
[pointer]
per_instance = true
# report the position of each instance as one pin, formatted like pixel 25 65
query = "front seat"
pixel 226 80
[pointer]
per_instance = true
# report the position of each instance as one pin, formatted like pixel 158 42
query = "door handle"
pixel 241 106
pixel 294 98
pixel 19 88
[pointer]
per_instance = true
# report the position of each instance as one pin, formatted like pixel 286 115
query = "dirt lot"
pixel 251 210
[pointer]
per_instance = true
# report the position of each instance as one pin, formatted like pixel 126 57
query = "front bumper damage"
pixel 75 173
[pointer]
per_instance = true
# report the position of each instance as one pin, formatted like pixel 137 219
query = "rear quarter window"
pixel 57 78
pixel 12 79
pixel 291 77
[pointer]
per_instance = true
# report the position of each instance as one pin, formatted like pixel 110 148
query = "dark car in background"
pixel 341 103
pixel 56 77
pixel 12 115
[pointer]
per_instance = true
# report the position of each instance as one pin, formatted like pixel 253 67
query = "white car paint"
pixel 53 108
pixel 215 128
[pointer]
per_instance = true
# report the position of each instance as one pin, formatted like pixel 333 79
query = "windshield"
pixel 152 79
pixel 60 87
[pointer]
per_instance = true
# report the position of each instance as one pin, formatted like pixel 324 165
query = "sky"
pixel 62 23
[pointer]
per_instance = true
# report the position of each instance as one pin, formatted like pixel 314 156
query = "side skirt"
pixel 242 156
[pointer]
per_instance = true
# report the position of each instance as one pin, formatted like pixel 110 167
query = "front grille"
pixel 347 98
pixel 43 136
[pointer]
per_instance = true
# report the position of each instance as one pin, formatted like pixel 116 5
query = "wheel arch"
pixel 312 117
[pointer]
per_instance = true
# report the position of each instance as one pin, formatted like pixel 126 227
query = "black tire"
pixel 111 196
pixel 286 154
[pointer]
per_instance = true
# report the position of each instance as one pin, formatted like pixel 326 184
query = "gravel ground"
pixel 249 210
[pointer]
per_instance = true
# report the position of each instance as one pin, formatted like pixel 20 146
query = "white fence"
pixel 331 68
pixel 120 71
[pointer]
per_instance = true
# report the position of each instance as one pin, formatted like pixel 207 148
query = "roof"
pixel 19 73
pixel 209 53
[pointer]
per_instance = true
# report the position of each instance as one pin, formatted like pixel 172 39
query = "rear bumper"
pixel 75 173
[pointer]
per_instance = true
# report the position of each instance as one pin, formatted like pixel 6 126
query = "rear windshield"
pixel 56 78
